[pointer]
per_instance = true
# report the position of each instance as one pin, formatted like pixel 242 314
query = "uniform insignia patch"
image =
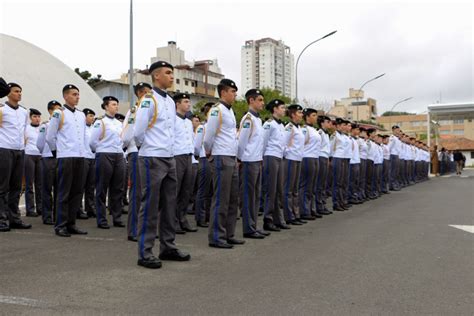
pixel 288 129
pixel 131 120
pixel 145 104
pixel 215 113
pixel 266 126
pixel 56 114
pixel 42 129
pixel 96 125
pixel 246 125
pixel 199 130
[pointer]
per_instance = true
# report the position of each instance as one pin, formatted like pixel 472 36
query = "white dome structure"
pixel 41 75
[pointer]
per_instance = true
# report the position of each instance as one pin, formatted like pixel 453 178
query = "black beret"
pixel 385 136
pixel 340 121
pixel 362 129
pixel 294 107
pixel 70 87
pixel 395 127
pixel 355 125
pixel 34 112
pixel 308 111
pixel 13 85
pixel 347 122
pixel 160 64
pixel 4 88
pixel 274 103
pixel 228 83
pixel 87 111
pixel 371 130
pixel 253 93
pixel 110 98
pixel 120 116
pixel 52 104
pixel 323 118
pixel 141 85
pixel 179 96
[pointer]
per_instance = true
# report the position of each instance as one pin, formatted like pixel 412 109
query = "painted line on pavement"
pixel 467 228
pixel 23 301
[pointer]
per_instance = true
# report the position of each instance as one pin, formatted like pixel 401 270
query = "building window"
pixel 472 154
pixel 461 121
pixel 186 83
pixel 177 81
pixel 192 84
pixel 447 132
pixel 458 132
pixel 444 122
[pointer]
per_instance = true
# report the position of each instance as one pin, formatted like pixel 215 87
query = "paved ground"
pixel 395 255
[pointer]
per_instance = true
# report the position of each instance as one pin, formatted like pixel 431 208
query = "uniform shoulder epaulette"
pixel 149 95
pixel 100 117
pixel 216 104
pixel 44 122
pixel 248 116
pixel 269 120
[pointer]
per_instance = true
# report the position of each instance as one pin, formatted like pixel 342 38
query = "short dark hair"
pixel 220 88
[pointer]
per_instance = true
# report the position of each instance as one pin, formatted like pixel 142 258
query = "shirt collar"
pixel 108 116
pixel 12 106
pixel 254 113
pixel 70 108
pixel 227 105
pixel 277 120
pixel 34 125
pixel 160 92
pixel 180 116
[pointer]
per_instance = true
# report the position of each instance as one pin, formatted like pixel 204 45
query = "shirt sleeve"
pixel 41 140
pixel 95 135
pixel 198 138
pixel 142 119
pixel 267 129
pixel 211 129
pixel 244 134
pixel 127 129
pixel 53 128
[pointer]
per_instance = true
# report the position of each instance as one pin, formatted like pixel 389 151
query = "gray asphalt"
pixel 393 256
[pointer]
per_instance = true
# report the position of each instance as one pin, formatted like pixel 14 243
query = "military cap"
pixel 308 111
pixel 70 87
pixel 179 96
pixel 87 111
pixel 340 121
pixel 34 112
pixel 253 93
pixel 14 85
pixel 395 127
pixel 355 125
pixel 273 103
pixel 160 64
pixel 140 85
pixel 295 107
pixel 107 99
pixel 362 129
pixel 52 104
pixel 228 83
pixel 371 130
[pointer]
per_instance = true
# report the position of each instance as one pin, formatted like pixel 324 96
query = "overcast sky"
pixel 425 48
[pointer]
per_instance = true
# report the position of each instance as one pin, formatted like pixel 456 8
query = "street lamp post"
pixel 393 107
pixel 363 85
pixel 299 56
pixel 130 71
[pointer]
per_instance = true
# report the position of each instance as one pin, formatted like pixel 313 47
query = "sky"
pixel 425 48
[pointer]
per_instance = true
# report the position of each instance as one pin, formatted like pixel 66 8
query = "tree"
pixel 393 113
pixel 87 76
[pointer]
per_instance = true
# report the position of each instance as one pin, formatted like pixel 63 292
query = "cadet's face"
pixel 258 103
pixel 312 118
pixel 196 122
pixel 228 95
pixel 71 97
pixel 35 119
pixel 279 111
pixel 326 124
pixel 90 119
pixel 184 105
pixel 355 131
pixel 298 116
pixel 112 108
pixel 164 77
pixel 142 92
pixel 15 94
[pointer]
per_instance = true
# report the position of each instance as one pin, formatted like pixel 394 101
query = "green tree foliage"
pixel 394 113
pixel 87 76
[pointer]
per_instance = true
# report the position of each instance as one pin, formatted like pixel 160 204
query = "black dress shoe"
pixel 119 224
pixel 318 215
pixel 202 224
pixel 308 217
pixel 82 216
pixel 103 226
pixel 180 231
pixel 4 228
pixel 294 222
pixel 324 212
pixel 175 255
pixel 338 209
pixel 132 238
pixel 270 227
pixel 62 232
pixel 91 215
pixel 221 245
pixel 254 236
pixel 264 233
pixel 76 231
pixel 48 222
pixel 32 214
pixel 233 241
pixel 344 207
pixel 302 221
pixel 20 225
pixel 190 230
pixel 124 211
pixel 282 226
pixel 150 263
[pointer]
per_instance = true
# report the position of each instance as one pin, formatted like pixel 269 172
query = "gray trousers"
pixel 224 205
pixel 354 178
pixel 314 210
pixel 134 194
pixel 70 188
pixel 345 180
pixel 394 172
pixel 204 191
pixel 362 178
pixel 32 173
pixel 291 174
pixel 89 186
pixel 378 178
pixel 192 197
pixel 125 181
pixel 308 176
pixel 385 175
pixel 109 177
pixel 321 184
pixel 11 171
pixel 158 184
pixel 49 188
pixel 272 189
pixel 337 182
pixel 184 177
pixel 369 189
pixel 250 186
